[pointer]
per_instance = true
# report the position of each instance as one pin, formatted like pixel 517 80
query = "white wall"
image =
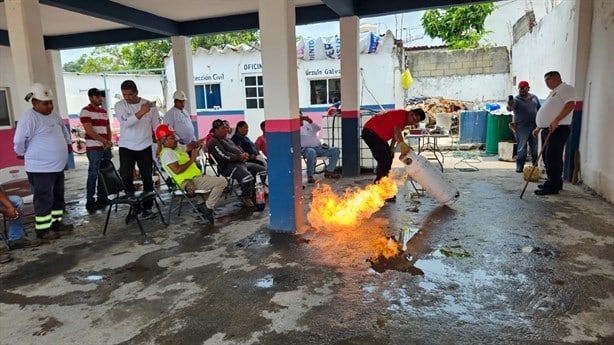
pixel 474 88
pixel 598 123
pixel 77 84
pixel 550 47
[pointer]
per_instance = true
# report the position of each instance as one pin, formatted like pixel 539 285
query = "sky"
pixel 404 26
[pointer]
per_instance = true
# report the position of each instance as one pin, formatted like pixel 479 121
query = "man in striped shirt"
pixel 95 121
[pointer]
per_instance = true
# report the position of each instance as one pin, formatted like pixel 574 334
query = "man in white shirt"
pixel 179 120
pixel 311 147
pixel 553 120
pixel 42 139
pixel 138 118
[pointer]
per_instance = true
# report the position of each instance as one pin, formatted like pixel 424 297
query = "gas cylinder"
pixel 430 178
pixel 260 202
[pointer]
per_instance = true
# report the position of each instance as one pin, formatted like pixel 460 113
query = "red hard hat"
pixel 163 131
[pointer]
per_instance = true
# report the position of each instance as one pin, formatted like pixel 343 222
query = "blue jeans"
pixel 310 153
pixel 94 156
pixel 524 136
pixel 16 226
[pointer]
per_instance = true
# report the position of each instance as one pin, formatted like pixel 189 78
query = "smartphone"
pixel 510 98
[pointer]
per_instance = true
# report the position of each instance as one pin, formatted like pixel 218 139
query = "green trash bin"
pixel 497 129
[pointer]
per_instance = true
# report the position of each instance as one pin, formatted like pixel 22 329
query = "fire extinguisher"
pixel 259 194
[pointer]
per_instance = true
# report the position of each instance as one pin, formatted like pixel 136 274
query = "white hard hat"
pixel 179 95
pixel 40 92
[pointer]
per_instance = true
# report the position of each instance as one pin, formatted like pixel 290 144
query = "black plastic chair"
pixel 118 195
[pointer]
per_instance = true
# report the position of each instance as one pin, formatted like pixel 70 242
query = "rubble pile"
pixel 438 105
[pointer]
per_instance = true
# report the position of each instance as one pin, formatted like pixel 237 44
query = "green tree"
pixel 148 54
pixel 458 26
pixel 221 40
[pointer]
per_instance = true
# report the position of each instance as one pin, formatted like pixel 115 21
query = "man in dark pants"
pixel 138 118
pixel 380 128
pixel 525 106
pixel 554 120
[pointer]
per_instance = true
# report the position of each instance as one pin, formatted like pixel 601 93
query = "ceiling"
pixel 70 24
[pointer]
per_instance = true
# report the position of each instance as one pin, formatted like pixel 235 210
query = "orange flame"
pixel 385 247
pixel 330 211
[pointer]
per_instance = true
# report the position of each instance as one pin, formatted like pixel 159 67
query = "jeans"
pixel 524 136
pixel 94 156
pixel 310 153
pixel 16 226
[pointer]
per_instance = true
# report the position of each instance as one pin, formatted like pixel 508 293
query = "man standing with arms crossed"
pixel 138 118
pixel 97 127
pixel 553 120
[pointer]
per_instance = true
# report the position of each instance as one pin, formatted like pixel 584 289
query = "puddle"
pixel 266 282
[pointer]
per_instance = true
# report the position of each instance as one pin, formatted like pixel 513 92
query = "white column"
pixel 279 69
pixel 350 95
pixel 350 62
pixel 184 72
pixel 57 83
pixel 27 47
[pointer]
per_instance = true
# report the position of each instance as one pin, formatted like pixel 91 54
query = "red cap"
pixel 522 84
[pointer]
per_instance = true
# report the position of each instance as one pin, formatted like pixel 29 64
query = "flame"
pixel 330 211
pixel 385 247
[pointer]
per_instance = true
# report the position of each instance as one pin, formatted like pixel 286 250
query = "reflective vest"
pixel 182 157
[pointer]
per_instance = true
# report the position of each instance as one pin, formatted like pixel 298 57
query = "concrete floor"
pixel 492 269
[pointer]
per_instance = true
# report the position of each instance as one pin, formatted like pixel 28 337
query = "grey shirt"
pixel 525 110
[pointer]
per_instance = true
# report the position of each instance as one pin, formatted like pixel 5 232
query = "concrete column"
pixel 350 95
pixel 184 72
pixel 279 70
pixel 57 84
pixel 27 47
pixel 184 76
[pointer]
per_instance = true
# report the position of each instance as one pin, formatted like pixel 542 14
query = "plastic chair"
pixel 117 194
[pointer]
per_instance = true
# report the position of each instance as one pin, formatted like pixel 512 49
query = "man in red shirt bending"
pixel 381 128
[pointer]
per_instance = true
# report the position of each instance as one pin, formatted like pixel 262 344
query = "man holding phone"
pixel 138 118
pixel 525 106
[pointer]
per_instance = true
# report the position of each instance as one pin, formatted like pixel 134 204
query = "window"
pixel 254 92
pixel 208 96
pixel 5 118
pixel 325 91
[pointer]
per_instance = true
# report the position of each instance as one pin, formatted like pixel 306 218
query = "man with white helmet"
pixel 179 120
pixel 44 142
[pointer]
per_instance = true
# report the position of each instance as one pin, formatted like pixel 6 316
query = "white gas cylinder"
pixel 430 178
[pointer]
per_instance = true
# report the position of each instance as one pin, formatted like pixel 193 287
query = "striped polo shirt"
pixel 99 119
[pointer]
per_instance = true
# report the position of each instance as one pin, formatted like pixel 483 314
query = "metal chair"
pixel 176 191
pixel 118 195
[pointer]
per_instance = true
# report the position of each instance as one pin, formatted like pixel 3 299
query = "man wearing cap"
pixel 179 120
pixel 97 127
pixel 184 171
pixel 388 126
pixel 138 118
pixel 554 121
pixel 525 106
pixel 42 139
pixel 233 160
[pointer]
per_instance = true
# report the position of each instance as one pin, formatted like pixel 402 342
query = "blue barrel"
pixel 473 127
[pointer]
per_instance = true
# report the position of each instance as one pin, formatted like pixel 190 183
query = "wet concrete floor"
pixel 491 269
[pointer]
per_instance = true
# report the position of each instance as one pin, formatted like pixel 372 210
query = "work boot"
pixel 91 205
pixel 207 212
pixel 63 228
pixel 5 257
pixel 23 242
pixel 332 175
pixel 247 202
pixel 47 235
pixel 310 179
pixel 101 203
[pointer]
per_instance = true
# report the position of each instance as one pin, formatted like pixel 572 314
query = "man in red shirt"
pixel 381 128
